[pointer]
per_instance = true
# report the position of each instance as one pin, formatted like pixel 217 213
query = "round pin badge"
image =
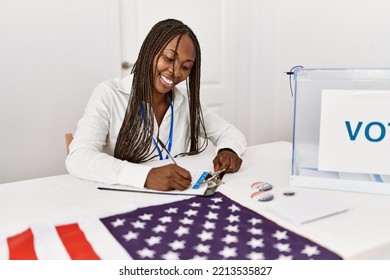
pixel 261 186
pixel 262 196
pixel 289 193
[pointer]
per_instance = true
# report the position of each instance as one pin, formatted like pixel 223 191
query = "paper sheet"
pixel 196 188
pixel 353 127
pixel 305 207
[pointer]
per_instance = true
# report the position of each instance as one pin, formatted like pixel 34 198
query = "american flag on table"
pixel 196 228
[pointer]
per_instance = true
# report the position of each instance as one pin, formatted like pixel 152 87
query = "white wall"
pixel 52 54
pixel 312 33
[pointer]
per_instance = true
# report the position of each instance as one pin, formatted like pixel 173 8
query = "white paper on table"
pixel 304 207
pixel 196 188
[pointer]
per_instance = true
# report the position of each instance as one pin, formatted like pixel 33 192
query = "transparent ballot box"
pixel 341 137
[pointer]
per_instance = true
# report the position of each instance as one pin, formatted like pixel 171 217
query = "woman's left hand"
pixel 227 160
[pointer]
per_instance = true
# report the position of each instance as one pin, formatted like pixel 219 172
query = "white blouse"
pixel 92 148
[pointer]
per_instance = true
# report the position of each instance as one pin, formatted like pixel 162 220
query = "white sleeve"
pixel 86 158
pixel 223 134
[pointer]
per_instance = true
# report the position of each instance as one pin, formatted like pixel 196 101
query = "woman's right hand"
pixel 168 177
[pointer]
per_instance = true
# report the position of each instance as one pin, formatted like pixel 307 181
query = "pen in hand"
pixel 165 148
pixel 182 177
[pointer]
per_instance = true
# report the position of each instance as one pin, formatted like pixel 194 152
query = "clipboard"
pixel 206 184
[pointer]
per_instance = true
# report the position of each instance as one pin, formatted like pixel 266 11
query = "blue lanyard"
pixel 170 134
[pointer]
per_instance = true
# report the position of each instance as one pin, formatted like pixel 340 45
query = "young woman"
pixel 144 116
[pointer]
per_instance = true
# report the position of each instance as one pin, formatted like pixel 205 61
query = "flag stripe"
pixel 107 247
pixel 21 246
pixel 3 249
pixel 48 245
pixel 75 243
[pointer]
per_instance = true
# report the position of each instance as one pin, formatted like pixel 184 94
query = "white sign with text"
pixel 355 131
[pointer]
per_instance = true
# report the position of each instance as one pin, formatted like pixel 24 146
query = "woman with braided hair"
pixel 145 116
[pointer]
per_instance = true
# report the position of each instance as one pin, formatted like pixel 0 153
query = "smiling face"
pixel 173 64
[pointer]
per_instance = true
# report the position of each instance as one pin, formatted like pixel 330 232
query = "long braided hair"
pixel 135 137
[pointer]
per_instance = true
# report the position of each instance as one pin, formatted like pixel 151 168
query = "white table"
pixel 362 232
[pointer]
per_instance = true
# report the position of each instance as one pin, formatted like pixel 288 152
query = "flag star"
pixel 153 240
pixel 171 210
pixel 217 199
pixel 197 257
pixel 170 255
pixel 146 253
pixel 200 248
pixel 212 215
pixel 283 257
pixel 186 221
pixel 255 256
pixel 229 239
pixel 213 206
pixel 280 235
pixel 255 231
pixel 191 212
pixel 310 250
pixel 118 222
pixel 228 252
pixel 254 243
pixel 231 228
pixel 255 221
pixel 138 224
pixel 234 208
pixel 177 244
pixel 282 247
pixel 146 217
pixel 182 230
pixel 165 219
pixel 130 235
pixel 205 235
pixel 209 225
pixel 160 228
pixel 233 218
pixel 195 204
